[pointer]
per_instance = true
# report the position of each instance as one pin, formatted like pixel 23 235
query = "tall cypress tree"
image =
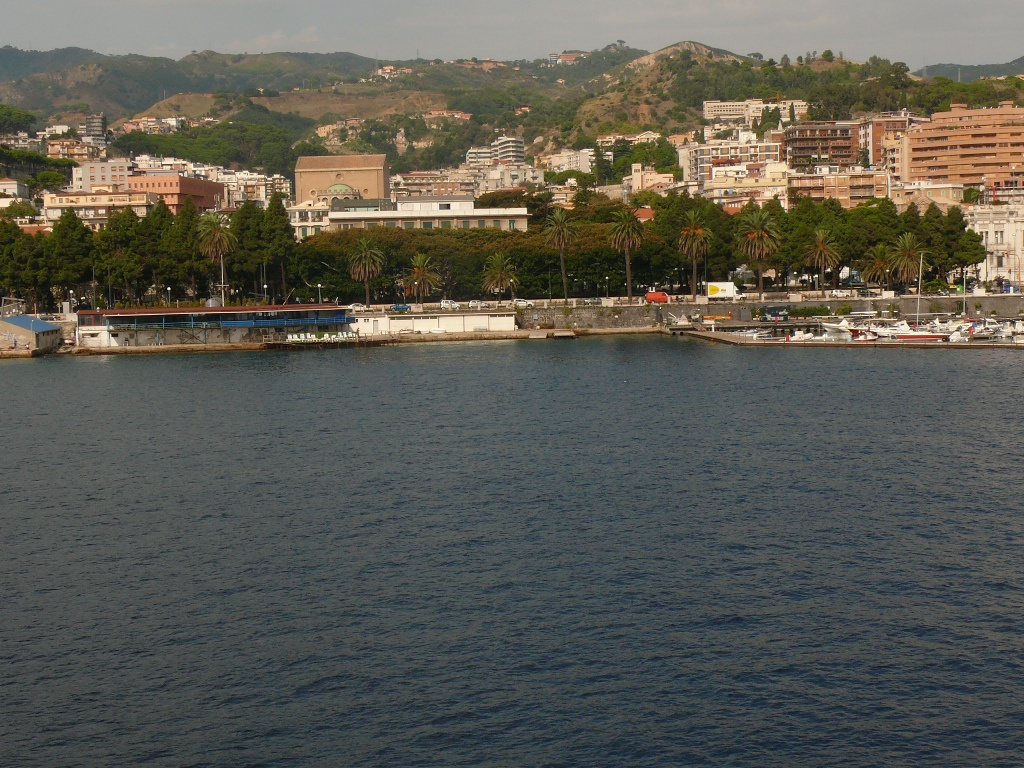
pixel 279 237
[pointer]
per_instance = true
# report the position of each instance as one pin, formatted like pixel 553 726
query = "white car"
pixel 357 307
pixel 522 304
pixel 477 304
pixel 449 304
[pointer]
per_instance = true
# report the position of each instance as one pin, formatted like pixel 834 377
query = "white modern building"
pixel 431 213
pixel 387 323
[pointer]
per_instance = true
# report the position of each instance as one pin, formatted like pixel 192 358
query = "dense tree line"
pixel 136 260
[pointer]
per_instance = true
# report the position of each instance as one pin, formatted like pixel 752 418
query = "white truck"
pixel 724 291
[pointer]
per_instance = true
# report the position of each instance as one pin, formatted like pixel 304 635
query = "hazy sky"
pixel 922 32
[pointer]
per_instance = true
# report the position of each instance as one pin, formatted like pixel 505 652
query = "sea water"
pixel 601 552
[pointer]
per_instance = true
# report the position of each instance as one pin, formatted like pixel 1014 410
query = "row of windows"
pixel 463 224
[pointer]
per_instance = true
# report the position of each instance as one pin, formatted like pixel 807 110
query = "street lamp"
pixel 168 295
pixel 266 297
pixel 319 300
pixel 607 287
pixel 71 301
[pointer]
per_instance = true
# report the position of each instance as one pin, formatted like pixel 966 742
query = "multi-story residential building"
pixel 508 176
pixel 94 125
pixel 965 146
pixel 506 149
pixel 734 186
pixel 850 187
pixel 308 218
pixel 698 161
pixel 581 160
pixel 173 188
pixel 750 111
pixel 834 142
pixel 645 137
pixel 1001 228
pixel 111 175
pixel 21 140
pixel 341 176
pixel 509 149
pixel 13 188
pixel 641 178
pixel 73 149
pixel 434 183
pixel 96 208
pixel 431 213
pixel 878 131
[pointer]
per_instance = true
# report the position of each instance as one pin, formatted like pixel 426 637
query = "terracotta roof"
pixel 339 162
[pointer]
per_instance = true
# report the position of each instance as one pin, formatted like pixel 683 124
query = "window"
pixel 409 224
pixel 446 225
pixel 496 224
pixel 428 225
pixel 445 206
pixel 511 224
pixel 390 224
pixel 467 224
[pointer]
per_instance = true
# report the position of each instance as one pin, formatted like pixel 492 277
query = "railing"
pixel 291 322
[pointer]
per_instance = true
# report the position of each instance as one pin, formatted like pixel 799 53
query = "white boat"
pixel 902 331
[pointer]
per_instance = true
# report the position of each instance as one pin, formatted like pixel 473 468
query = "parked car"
pixel 449 304
pixel 357 307
pixel 398 308
pixel 522 304
pixel 477 304
pixel 592 301
pixel 656 297
pixel 839 294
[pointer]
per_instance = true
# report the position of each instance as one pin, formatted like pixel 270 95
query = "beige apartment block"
pixel 964 146
pixel 850 188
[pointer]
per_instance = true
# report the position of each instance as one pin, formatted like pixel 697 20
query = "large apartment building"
pixel 850 188
pixel 698 161
pixel 967 146
pixel 816 143
pixel 750 111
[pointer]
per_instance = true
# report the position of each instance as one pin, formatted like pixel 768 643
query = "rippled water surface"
pixel 608 552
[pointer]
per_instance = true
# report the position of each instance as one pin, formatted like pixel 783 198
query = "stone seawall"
pixel 597 318
pixel 644 316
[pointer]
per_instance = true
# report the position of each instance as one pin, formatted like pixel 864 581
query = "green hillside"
pixel 16 63
pixel 968 73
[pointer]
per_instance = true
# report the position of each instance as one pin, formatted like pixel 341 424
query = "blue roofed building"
pixel 28 332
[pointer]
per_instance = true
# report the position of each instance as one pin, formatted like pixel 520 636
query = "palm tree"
pixel 365 263
pixel 560 231
pixel 876 265
pixel 421 277
pixel 216 240
pixel 627 234
pixel 758 238
pixel 499 274
pixel 694 241
pixel 822 253
pixel 906 257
